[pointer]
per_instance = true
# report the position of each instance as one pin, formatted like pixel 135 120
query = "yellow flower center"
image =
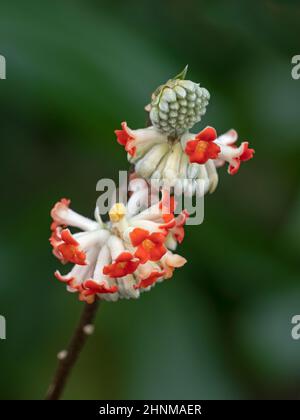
pixel 201 146
pixel 117 212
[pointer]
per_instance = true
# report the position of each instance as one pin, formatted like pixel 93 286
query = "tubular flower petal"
pixel 245 155
pixel 126 138
pixel 59 209
pixel 203 147
pixel 136 141
pixel 125 264
pixel 232 154
pixel 167 203
pixel 92 288
pixel 62 215
pixel 118 259
pixel 55 238
pixel 177 231
pixel 69 249
pixel 150 280
pixel 171 261
pixel 149 246
pixel 138 235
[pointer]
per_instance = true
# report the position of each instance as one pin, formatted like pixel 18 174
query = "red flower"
pixel 150 280
pixel 177 228
pixel 149 246
pixel 91 288
pixel 247 154
pixel 203 147
pixel 125 138
pixel 69 249
pixel 123 265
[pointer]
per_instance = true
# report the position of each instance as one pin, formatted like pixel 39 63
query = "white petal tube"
pixel 212 175
pixel 137 202
pixel 87 240
pixel 126 287
pixel 65 216
pixel 227 138
pixel 203 180
pixel 104 258
pixel 148 164
pixel 170 173
pixel 116 246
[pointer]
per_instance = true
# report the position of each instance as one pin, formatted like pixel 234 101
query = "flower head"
pixel 168 154
pixel 120 258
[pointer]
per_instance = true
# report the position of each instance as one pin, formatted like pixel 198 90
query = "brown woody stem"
pixel 67 358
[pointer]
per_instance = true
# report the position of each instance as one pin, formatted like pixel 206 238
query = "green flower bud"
pixel 178 105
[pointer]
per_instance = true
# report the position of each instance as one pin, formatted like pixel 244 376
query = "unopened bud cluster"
pixel 178 105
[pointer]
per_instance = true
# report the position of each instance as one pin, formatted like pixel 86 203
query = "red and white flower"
pixel 203 147
pixel 206 146
pixel 232 154
pixel 188 162
pixel 120 258
pixel 137 141
pixel 149 246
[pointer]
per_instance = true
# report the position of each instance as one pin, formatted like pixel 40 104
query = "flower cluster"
pixel 187 163
pixel 169 154
pixel 134 249
pixel 123 257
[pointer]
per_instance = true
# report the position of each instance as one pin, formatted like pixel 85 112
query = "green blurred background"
pixel 222 327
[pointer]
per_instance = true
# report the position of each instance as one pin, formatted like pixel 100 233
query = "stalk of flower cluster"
pixel 67 358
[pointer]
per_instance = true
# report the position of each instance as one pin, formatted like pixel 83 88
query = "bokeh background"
pixel 221 328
